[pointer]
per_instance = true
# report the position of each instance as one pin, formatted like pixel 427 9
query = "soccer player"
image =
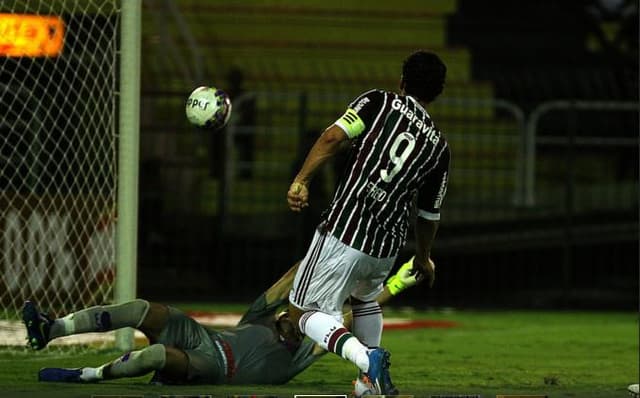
pixel 399 159
pixel 264 348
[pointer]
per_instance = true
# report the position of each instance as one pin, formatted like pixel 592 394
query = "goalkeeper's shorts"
pixel 207 363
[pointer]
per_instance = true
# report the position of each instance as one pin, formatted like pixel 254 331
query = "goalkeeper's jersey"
pixel 398 156
pixel 250 353
pixel 258 354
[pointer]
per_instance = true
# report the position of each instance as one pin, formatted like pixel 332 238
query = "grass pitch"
pixel 558 354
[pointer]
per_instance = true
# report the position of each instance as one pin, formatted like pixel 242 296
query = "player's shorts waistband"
pixel 227 357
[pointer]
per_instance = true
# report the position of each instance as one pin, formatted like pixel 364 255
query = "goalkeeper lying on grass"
pixel 264 348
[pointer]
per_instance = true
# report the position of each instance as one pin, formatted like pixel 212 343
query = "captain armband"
pixel 351 123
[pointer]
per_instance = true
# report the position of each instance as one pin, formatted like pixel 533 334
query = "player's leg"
pixel 329 334
pixel 367 317
pixel 367 327
pixel 367 322
pixel 172 362
pixel 367 313
pixel 140 314
pixel 327 275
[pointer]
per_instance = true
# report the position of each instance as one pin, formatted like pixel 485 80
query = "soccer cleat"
pixel 60 375
pixel 38 326
pixel 378 373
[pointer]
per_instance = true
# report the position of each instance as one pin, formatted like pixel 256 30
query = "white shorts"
pixel 331 271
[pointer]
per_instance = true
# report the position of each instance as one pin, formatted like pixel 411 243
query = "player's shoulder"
pixel 372 97
pixel 376 93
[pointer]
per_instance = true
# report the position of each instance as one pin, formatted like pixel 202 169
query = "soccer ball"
pixel 362 387
pixel 208 107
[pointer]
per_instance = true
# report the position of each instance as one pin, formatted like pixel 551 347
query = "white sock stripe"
pixel 362 306
pixel 366 312
pixel 366 309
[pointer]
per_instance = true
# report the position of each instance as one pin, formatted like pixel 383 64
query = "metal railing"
pixel 532 138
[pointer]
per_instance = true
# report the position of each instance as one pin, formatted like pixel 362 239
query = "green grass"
pixel 560 354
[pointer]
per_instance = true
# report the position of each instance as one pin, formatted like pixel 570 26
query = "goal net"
pixel 58 123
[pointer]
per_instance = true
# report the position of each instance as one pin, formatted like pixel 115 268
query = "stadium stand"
pixel 307 60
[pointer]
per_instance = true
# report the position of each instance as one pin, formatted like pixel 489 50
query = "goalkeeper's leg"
pixel 147 317
pixel 157 357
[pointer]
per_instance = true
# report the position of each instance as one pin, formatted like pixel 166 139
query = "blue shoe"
pixel 38 326
pixel 60 375
pixel 378 373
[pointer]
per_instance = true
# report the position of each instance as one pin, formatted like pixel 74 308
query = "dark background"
pixel 213 216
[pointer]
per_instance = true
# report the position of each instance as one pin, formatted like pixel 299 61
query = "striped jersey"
pixel 399 157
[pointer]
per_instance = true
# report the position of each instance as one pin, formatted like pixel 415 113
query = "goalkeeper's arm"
pixel 401 280
pixel 418 267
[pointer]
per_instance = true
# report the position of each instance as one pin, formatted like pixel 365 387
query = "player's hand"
pixel 424 272
pixel 298 196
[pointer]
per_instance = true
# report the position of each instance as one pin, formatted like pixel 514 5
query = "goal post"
pixel 127 236
pixel 69 133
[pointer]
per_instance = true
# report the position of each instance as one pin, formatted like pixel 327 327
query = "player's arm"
pixel 359 115
pixel 423 266
pixel 325 147
pixel 430 198
pixel 280 290
pixel 264 307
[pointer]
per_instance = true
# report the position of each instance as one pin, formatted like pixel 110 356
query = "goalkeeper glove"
pixel 402 279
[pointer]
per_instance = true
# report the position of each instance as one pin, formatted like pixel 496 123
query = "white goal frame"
pixel 128 161
pixel 69 159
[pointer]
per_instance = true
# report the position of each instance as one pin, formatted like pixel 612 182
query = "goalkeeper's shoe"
pixel 61 375
pixel 378 373
pixel 38 326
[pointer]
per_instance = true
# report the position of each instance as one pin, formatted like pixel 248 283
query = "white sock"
pixel 331 335
pixel 367 323
pixel 354 351
pixel 91 374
